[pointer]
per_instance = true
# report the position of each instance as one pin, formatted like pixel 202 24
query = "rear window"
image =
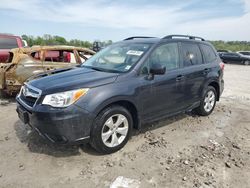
pixel 208 53
pixel 191 54
pixel 8 43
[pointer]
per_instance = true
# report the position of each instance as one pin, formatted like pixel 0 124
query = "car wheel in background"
pixel 111 129
pixel 246 62
pixel 208 102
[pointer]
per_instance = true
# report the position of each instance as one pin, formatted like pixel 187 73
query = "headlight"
pixel 64 99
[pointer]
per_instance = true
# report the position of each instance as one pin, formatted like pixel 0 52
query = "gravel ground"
pixel 183 151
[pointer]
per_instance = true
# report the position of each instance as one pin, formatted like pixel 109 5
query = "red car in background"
pixel 7 42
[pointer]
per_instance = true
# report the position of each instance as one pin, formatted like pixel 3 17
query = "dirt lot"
pixel 184 151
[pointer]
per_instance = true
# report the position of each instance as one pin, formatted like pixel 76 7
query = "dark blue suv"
pixel 130 83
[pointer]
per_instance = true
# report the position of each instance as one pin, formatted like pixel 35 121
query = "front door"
pixel 159 95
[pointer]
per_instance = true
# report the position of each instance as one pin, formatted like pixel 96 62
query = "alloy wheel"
pixel 209 101
pixel 115 130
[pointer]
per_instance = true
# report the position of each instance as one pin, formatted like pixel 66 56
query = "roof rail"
pixel 138 37
pixel 183 36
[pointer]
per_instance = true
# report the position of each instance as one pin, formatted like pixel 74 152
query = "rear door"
pixel 238 59
pixel 232 58
pixel 194 72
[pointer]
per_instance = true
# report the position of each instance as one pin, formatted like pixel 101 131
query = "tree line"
pixel 58 40
pixel 233 46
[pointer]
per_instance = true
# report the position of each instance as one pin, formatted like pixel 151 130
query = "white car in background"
pixel 244 53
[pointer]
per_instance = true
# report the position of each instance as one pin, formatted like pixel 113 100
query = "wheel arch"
pixel 129 105
pixel 216 86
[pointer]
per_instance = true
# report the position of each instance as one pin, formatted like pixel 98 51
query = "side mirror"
pixel 157 69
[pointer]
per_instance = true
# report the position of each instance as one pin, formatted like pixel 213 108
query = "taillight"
pixel 222 66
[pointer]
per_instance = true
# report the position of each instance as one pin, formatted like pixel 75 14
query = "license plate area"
pixel 23 115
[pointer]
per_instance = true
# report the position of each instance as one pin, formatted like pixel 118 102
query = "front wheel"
pixel 111 129
pixel 208 102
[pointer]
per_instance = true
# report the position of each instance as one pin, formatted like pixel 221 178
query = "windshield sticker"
pixel 134 52
pixel 127 67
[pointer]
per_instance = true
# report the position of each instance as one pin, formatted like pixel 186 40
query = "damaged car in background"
pixel 24 63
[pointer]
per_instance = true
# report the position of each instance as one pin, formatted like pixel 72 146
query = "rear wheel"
pixel 246 62
pixel 208 102
pixel 111 129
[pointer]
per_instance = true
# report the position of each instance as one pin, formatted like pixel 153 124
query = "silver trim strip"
pixel 83 138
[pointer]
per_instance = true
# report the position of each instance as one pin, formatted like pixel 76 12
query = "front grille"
pixel 29 95
pixel 30 101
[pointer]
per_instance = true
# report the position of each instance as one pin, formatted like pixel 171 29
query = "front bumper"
pixel 64 125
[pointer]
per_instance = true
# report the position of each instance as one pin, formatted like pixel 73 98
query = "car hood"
pixel 75 78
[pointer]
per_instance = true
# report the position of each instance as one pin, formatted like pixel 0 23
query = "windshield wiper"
pixel 102 69
pixel 94 68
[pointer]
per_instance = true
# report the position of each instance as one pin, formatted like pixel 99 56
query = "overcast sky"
pixel 118 19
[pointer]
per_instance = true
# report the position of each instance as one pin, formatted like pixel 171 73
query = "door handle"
pixel 205 71
pixel 179 78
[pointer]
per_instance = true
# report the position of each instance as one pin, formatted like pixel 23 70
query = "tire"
pixel 204 109
pixel 246 62
pixel 106 125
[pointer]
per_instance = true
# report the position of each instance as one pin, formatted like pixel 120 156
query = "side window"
pixel 231 55
pixel 36 55
pixel 69 57
pixel 208 53
pixel 8 43
pixel 235 55
pixel 84 55
pixel 62 56
pixel 167 55
pixel 191 54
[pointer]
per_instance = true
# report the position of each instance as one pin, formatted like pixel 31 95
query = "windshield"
pixel 118 57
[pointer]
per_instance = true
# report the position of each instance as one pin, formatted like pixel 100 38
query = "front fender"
pixel 113 100
pixel 102 96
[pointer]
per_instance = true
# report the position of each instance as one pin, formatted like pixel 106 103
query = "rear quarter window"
pixel 191 54
pixel 208 53
pixel 8 43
